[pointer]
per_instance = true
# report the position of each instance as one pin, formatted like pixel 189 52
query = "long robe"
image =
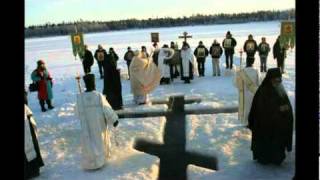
pixel 32 157
pixel 112 84
pixel 247 82
pixel 188 64
pixel 271 125
pixel 145 76
pixel 165 54
pixel 96 115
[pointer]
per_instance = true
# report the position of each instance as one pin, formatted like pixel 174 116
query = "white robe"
pixel 96 115
pixel 164 54
pixel 244 78
pixel 187 56
pixel 28 143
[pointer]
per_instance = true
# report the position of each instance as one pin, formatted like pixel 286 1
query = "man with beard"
pixel 112 83
pixel 145 77
pixel 201 52
pixel 188 63
pixel 164 58
pixel 96 118
pixel 100 56
pixel 271 120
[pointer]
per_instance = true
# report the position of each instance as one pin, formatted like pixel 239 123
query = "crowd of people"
pixel 263 104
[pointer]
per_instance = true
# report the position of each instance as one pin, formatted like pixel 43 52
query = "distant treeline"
pixel 103 26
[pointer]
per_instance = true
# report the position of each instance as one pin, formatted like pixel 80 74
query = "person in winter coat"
pixel 264 50
pixel 271 120
pixel 201 52
pixel 216 52
pixel 32 156
pixel 100 55
pixel 42 77
pixel 128 56
pixel 229 43
pixel 250 47
pixel 87 60
pixel 279 53
pixel 96 119
pixel 175 61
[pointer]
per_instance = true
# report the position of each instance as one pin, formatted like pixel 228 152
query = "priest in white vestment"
pixel 96 118
pixel 145 77
pixel 188 63
pixel 247 81
pixel 164 57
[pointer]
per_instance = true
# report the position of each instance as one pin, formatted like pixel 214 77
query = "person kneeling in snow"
pixel 96 115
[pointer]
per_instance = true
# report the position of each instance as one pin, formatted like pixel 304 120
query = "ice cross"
pixel 174 159
pixel 185 36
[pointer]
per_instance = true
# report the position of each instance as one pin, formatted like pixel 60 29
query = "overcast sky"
pixel 56 11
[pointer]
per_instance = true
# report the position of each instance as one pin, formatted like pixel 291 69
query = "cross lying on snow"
pixel 174 159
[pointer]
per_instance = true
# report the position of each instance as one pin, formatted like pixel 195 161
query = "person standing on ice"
pixel 144 50
pixel 279 53
pixel 42 77
pixel 155 52
pixel 216 52
pixel 164 57
pixel 201 52
pixel 96 117
pixel 100 56
pixel 271 120
pixel 145 77
pixel 188 63
pixel 32 156
pixel 247 82
pixel 229 43
pixel 175 61
pixel 113 57
pixel 87 60
pixel 264 50
pixel 128 56
pixel 250 47
pixel 112 88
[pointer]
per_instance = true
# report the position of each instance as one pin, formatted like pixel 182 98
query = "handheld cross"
pixel 185 36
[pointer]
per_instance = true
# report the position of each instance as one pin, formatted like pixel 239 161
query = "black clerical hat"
pixel 89 81
pixel 273 73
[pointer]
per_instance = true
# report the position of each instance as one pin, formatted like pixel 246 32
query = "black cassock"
pixel 32 168
pixel 112 84
pixel 271 126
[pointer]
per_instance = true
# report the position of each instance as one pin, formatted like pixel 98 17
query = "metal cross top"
pixel 185 36
pixel 174 159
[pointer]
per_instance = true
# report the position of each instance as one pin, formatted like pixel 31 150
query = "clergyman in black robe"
pixel 112 84
pixel 271 120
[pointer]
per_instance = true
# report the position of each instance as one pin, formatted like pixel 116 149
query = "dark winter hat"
pixel 200 42
pixel 165 46
pixel 228 33
pixel 40 62
pixel 89 81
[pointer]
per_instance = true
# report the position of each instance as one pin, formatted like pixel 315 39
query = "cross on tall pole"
pixel 174 158
pixel 185 36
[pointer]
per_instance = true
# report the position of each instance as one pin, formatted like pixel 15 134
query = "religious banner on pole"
pixel 77 44
pixel 287 35
pixel 154 37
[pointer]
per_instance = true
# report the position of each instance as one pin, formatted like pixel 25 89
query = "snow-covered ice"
pixel 216 134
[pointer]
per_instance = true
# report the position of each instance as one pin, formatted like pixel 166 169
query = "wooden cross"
pixel 185 36
pixel 174 159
